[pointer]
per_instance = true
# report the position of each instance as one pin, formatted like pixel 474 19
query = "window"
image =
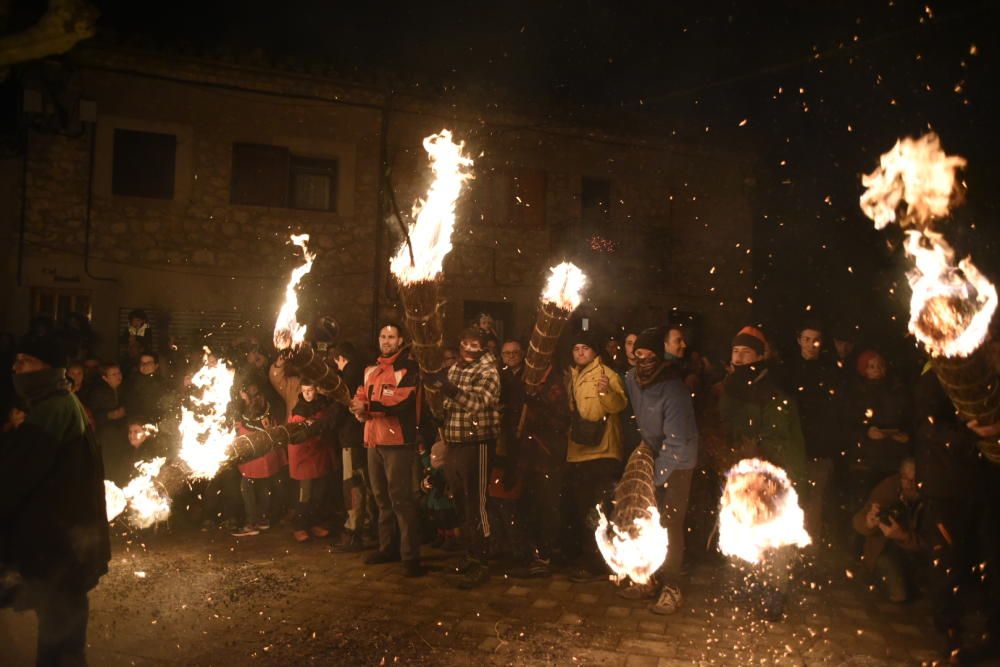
pixel 514 197
pixel 595 199
pixel 271 176
pixel 143 164
pixel 57 303
pixel 313 184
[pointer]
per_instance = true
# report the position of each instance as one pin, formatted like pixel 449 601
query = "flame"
pixel 204 434
pixel 566 281
pixel 287 331
pixel 147 505
pixel 916 172
pixel 636 552
pixel 760 511
pixel 114 500
pixel 430 234
pixel 951 305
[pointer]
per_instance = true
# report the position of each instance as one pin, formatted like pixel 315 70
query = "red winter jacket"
pixel 390 396
pixel 264 466
pixel 309 459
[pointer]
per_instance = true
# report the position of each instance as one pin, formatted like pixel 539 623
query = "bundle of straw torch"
pixel 952 304
pixel 419 263
pixel 560 298
pixel 289 338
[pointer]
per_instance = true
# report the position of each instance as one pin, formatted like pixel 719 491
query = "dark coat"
pixel 53 521
pixel 814 384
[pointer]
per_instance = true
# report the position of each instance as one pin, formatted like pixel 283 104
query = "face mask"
pixel 647 369
pixel 740 382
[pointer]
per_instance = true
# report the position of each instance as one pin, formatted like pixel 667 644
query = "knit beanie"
pixel 651 339
pixel 751 337
pixel 47 349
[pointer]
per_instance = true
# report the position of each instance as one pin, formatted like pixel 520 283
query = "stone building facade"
pixel 658 226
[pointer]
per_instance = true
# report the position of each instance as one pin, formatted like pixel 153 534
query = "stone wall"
pixel 675 214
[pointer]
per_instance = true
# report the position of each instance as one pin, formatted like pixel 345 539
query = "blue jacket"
pixel 664 413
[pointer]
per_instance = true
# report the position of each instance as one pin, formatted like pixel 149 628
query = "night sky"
pixel 815 90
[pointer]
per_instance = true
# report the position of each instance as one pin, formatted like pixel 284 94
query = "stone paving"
pixel 210 599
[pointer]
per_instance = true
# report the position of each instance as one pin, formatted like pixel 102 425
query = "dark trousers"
pixel 62 629
pixel 222 495
pixel 589 483
pixel 309 508
pixel 541 510
pixel 672 501
pixel 392 469
pixel 256 499
pixel 467 470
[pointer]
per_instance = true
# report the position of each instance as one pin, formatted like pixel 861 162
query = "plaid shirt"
pixel 473 415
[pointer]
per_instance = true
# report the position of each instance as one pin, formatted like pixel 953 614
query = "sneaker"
pixel 634 591
pixel 349 543
pixel 668 602
pixel 246 531
pixel 583 575
pixel 475 576
pixel 464 564
pixel 380 557
pixel 319 532
pixel 300 535
pixel 264 525
pixel 538 568
pixel 412 568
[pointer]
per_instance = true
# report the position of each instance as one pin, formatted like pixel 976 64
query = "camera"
pixel 897 511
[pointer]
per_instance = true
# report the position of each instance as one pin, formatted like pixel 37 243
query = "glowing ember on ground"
pixel 287 331
pixel 430 235
pixel 204 433
pixel 114 499
pixel 952 304
pixel 637 552
pixel 760 511
pixel 563 288
pixel 147 505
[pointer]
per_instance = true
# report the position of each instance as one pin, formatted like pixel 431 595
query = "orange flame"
pixel 204 432
pixel 759 511
pixel 114 500
pixel 430 234
pixel 916 172
pixel 145 502
pixel 951 305
pixel 564 287
pixel 287 331
pixel 634 553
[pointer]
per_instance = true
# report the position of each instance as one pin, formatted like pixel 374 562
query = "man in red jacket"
pixel 387 404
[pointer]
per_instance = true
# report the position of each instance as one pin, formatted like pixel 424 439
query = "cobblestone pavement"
pixel 210 599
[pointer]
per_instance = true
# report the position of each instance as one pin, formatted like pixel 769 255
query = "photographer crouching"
pixel 889 523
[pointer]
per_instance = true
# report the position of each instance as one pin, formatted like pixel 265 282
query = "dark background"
pixel 815 90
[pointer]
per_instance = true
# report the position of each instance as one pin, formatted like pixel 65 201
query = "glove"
pixel 436 380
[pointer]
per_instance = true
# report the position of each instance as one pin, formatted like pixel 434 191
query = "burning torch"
pixel 289 337
pixel 633 543
pixel 951 304
pixel 419 263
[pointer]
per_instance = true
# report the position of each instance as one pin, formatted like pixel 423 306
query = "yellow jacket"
pixel 592 406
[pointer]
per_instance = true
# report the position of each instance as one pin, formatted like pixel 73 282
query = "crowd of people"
pixel 472 459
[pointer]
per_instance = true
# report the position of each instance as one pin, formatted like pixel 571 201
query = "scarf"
pixel 649 370
pixel 741 381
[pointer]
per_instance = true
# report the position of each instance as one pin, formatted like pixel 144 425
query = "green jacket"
pixel 768 416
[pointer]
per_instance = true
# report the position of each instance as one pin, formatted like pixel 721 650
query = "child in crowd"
pixel 309 464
